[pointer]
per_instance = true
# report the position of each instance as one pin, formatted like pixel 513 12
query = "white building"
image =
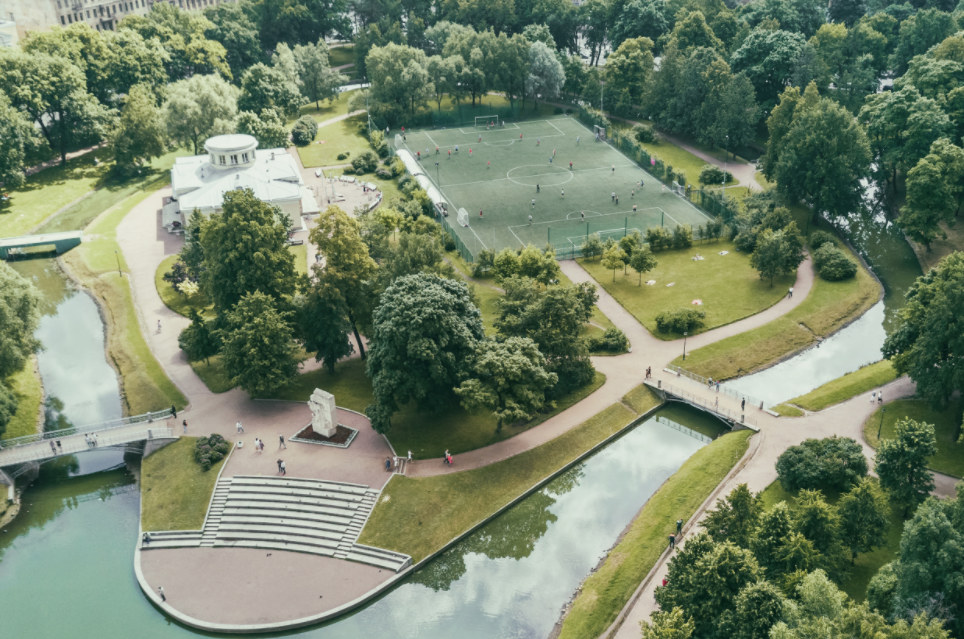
pixel 235 162
pixel 8 33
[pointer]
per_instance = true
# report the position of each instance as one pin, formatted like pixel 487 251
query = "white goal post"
pixel 399 142
pixel 486 119
pixel 679 189
pixel 463 217
pixel 599 131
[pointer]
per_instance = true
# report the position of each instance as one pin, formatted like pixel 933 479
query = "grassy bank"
pixel 947 429
pixel 728 286
pixel 427 436
pixel 604 594
pixel 174 490
pixel 868 563
pixel 144 384
pixel 828 308
pixel 28 389
pixel 863 380
pixel 418 516
pixel 177 302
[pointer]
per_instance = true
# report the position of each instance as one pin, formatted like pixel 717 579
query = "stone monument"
pixel 323 421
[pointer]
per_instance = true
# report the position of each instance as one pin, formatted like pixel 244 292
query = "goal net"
pixel 600 131
pixel 679 189
pixel 463 217
pixel 484 120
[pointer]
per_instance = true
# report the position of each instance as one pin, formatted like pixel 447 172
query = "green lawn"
pixel 488 304
pixel 681 160
pixel 867 564
pixel 427 436
pixel 338 137
pixel 327 109
pixel 175 492
pixel 947 428
pixel 28 389
pixel 177 302
pixel 94 263
pixel 828 307
pixel 606 591
pixel 863 380
pixel 787 411
pixel 419 516
pixel 728 286
pixel 213 374
pixel 301 258
pixel 339 56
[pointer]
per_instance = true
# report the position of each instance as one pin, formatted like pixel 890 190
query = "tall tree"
pixel 246 250
pixel 929 340
pixel 508 378
pixel 546 76
pixel 400 81
pixel 233 26
pixel 323 324
pixel 901 463
pixel 767 57
pixel 140 133
pixel 642 261
pixel 613 259
pixel 668 625
pixel 863 518
pixel 182 35
pixel 198 108
pixel 734 115
pixel 199 341
pixel 347 267
pixel 258 350
pixel 19 316
pixel 735 517
pixel 53 92
pixel 629 70
pixel 268 128
pixel 264 87
pixel 919 33
pixel 777 252
pixel 18 137
pixel 638 19
pixel 318 80
pixel 426 330
pixel 929 202
pixel 299 21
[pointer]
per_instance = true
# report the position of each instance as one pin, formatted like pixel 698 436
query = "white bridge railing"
pixel 146 418
pixel 752 401
pixel 38 453
pixel 732 416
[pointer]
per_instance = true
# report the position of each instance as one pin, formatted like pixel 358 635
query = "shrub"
pixel 833 264
pixel 304 130
pixel 819 238
pixel 344 156
pixel 711 174
pixel 593 247
pixel 681 320
pixel 348 170
pixel 210 450
pixel 506 263
pixel 658 238
pixel 682 237
pixel 365 162
pixel 613 340
pixel 557 111
pixel 449 242
pixel 643 133
pixel 383 173
pixel 484 262
pixel 377 142
pixel 397 166
pixel 836 463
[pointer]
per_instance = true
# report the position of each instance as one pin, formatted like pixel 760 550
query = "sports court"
pixel 509 176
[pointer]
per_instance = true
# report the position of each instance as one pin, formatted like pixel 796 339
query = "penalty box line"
pixel 590 218
pixel 606 168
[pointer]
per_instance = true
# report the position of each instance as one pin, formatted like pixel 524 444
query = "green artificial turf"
pixel 947 429
pixel 175 490
pixel 729 288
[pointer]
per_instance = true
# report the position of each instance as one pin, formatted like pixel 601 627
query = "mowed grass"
pixel 502 174
pixel 428 436
pixel 326 109
pixel 344 136
pixel 175 491
pixel 605 592
pixel 828 307
pixel 728 286
pixel 947 429
pixel 28 389
pixel 145 385
pixel 867 564
pixel 863 380
pixel 178 302
pixel 340 56
pixel 418 516
pixel 50 190
pixel 682 160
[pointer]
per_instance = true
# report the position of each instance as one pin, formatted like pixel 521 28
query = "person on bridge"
pixel 743 404
pixel 53 447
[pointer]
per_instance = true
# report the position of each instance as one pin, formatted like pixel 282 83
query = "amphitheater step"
pixel 333 529
pixel 224 535
pixel 279 530
pixel 337 513
pixel 275 545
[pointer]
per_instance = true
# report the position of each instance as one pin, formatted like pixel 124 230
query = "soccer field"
pixel 524 170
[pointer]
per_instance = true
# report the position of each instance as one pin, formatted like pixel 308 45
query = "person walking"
pixel 743 404
pixel 279 465
pixel 612 196
pixel 717 386
pixel 672 542
pixel 577 140
pixel 873 397
pixel 160 591
pixel 632 194
pixel 388 464
pixel 95 440
pixel 239 426
pixel 679 527
pixel 395 462
pixel 53 448
pixel 880 397
pixel 174 411
pixel 281 442
pixel 283 469
pixel 409 457
pixel 570 165
pixel 184 424
pixel 87 437
pixel 158 326
pixel 617 199
pixel 790 293
pixel 582 214
pixel 537 188
pixel 530 217
pixel 450 154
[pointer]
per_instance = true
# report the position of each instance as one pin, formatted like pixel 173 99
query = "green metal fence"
pixel 459 244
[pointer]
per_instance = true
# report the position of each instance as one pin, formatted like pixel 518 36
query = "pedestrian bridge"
pixel 728 411
pixel 60 241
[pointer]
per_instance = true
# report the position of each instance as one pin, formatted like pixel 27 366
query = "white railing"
pixel 43 453
pixel 711 406
pixel 752 401
pixel 146 418
pixel 683 429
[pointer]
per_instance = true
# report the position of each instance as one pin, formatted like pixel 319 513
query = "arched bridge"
pixel 61 242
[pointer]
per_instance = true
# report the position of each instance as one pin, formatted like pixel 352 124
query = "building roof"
pixel 273 177
pixel 230 142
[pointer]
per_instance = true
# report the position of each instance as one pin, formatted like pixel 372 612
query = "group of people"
pixel 91 440
pixel 391 463
pixel 878 396
pixel 447 459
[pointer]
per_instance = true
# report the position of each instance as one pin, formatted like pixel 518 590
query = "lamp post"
pixel 119 274
pixel 684 346
pixel 438 179
pixel 726 156
pixel 881 425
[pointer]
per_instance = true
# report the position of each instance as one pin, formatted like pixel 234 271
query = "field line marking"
pixel 521 243
pixel 430 139
pixel 554 126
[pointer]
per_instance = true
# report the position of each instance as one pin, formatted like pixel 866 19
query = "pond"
pixel 72 548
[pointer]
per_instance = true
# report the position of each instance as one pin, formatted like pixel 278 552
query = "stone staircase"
pixel 284 513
